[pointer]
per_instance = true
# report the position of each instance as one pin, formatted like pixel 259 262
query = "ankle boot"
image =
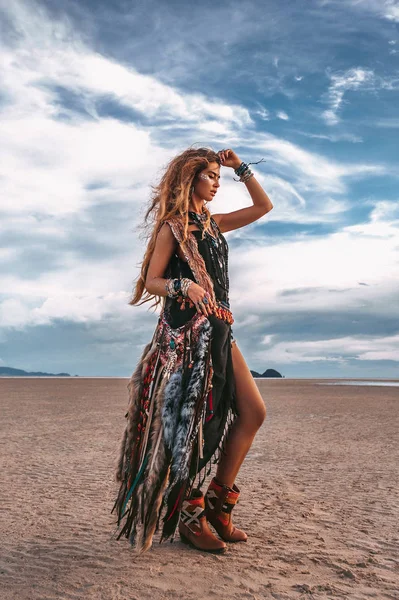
pixel 219 502
pixel 193 527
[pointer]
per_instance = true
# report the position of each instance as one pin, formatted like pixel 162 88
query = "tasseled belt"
pixel 222 310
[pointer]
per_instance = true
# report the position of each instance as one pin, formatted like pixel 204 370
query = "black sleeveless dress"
pixel 223 390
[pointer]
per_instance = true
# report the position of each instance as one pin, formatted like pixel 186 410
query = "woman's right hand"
pixel 197 295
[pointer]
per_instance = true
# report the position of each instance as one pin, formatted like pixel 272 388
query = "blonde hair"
pixel 170 199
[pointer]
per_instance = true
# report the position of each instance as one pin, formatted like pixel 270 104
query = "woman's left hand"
pixel 229 158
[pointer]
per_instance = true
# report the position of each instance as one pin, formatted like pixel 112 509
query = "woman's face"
pixel 207 182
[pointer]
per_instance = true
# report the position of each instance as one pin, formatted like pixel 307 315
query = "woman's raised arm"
pixel 244 216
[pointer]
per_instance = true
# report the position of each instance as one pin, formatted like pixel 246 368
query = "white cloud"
pixel 310 171
pixel 8 254
pixel 290 202
pixel 77 305
pixel 51 153
pixel 339 350
pixel 282 115
pixel 333 137
pixel 263 113
pixel 352 79
pixel 391 10
pixel 60 151
pixel 60 159
pixel 14 313
pixel 69 157
pixel 321 273
pixel 386 9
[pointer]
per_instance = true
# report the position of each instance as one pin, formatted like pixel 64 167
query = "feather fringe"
pixel 149 493
pixel 134 387
pixel 158 458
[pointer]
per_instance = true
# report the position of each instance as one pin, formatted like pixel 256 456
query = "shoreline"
pixel 74 377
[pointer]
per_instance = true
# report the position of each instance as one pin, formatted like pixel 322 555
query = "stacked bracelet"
pixel 247 175
pixel 185 284
pixel 176 287
pixel 240 170
pixel 243 172
pixel 172 287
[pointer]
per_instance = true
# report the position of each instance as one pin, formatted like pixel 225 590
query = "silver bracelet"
pixel 246 175
pixel 185 284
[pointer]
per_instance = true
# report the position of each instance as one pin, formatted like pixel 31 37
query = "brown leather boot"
pixel 194 529
pixel 220 501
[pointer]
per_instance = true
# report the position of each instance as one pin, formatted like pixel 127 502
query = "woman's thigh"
pixel 250 404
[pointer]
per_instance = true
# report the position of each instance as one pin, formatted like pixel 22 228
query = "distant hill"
pixel 10 372
pixel 267 373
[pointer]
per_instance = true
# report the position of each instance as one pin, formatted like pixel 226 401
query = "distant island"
pixel 267 373
pixel 10 372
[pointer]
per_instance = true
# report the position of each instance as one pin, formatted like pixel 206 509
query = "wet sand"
pixel 319 499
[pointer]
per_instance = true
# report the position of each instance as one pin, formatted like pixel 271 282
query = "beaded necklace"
pixel 218 248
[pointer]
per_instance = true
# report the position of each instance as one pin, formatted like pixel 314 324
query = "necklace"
pixel 218 249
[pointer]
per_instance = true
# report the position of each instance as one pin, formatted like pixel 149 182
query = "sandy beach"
pixel 319 499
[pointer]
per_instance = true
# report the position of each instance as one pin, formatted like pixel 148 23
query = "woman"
pixel 192 398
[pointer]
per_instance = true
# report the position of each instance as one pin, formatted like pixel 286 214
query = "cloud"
pixel 320 299
pixel 305 275
pixel 63 147
pixel 386 9
pixel 387 123
pixel 83 157
pixel 391 10
pixel 282 115
pixel 263 113
pixel 352 79
pixel 310 170
pixel 85 129
pixel 338 137
pixel 338 350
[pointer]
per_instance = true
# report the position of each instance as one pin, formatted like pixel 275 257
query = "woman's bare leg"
pixel 252 414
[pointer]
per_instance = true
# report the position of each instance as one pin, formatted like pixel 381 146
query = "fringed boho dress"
pixel 181 396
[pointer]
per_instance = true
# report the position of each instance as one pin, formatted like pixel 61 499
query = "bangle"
pixel 172 287
pixel 244 172
pixel 185 284
pixel 240 170
pixel 247 175
pixel 177 287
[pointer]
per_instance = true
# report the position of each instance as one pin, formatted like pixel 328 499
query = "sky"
pixel 97 97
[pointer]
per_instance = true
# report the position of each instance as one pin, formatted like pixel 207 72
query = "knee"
pixel 253 420
pixel 260 415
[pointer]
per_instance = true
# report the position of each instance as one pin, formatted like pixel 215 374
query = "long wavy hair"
pixel 171 198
